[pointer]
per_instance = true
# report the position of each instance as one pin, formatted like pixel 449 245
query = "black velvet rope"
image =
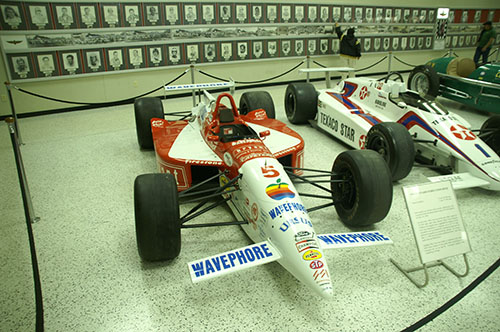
pixel 404 63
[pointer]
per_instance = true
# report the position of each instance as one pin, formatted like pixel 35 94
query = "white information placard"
pixel 436 221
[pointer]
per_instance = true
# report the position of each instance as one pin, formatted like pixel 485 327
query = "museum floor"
pixel 81 167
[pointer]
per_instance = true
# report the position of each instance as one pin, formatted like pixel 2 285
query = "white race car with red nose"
pixel 403 126
pixel 250 156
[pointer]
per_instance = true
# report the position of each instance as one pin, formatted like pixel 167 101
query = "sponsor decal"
pixel 245 141
pixel 320 274
pixel 363 93
pixel 347 132
pixel 278 210
pixel 380 103
pixel 311 255
pixel 255 211
pixel 328 121
pixel 362 141
pixel 279 190
pixel 316 265
pixel 462 132
pixel 157 123
pixel 228 159
pixel 306 245
pixel 302 235
pixel 269 172
pixel 260 115
pixel 352 238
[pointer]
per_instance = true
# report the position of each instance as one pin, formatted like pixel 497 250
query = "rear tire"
pixel 394 143
pixel 251 101
pixel 157 222
pixel 146 109
pixel 301 102
pixel 424 80
pixel 365 196
pixel 492 126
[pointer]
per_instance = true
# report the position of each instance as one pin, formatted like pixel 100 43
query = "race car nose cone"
pixel 327 294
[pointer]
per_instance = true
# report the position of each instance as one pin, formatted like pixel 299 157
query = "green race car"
pixel 459 80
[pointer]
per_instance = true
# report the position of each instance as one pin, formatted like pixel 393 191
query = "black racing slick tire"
pixel 394 143
pixel 301 102
pixel 146 109
pixel 363 196
pixel 251 101
pixel 157 221
pixel 490 133
pixel 424 80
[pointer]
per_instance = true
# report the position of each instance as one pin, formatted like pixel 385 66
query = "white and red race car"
pixel 403 126
pixel 250 156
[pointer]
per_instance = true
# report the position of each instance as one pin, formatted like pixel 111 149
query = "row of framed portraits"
pixel 84 15
pixel 51 64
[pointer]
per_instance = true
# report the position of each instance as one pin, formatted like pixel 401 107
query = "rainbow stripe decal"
pixel 279 190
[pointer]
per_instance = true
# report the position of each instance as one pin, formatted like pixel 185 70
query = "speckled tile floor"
pixel 81 167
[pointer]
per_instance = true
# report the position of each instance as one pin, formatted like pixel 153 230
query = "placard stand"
pixel 437 226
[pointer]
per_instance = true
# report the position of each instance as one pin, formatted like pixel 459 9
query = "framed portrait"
pixel 412 42
pixel 358 14
pixel 423 16
pixel 115 59
pixel 428 42
pixel 40 16
pixel 379 15
pixel 174 54
pixel 132 14
pixel 152 14
pixel 298 13
pixel 241 13
pixel 272 13
pixel 272 49
pixel 388 15
pixel 407 16
pixel 335 46
pixel 87 14
pixel 431 16
pixel 110 15
pixel 298 47
pixel 324 15
pixel 386 44
pixel 64 15
pixel 312 13
pixel 415 17
pixel 12 17
pixel 395 43
pixel 155 55
pixel 46 64
pixel 420 43
pixel 467 40
pixel 21 66
pixel 257 13
pixel 465 16
pixel 324 44
pixel 312 46
pixel 451 16
pixel 93 60
pixel 242 50
pixel 286 48
pixel 208 13
pixel 376 44
pixel 347 14
pixel 368 15
pixel 136 57
pixel 366 45
pixel 404 43
pixel 397 15
pixel 225 13
pixel 477 16
pixel 209 52
pixel 191 15
pixel 192 53
pixel 226 51
pixel 172 16
pixel 71 62
pixel 258 49
pixel 286 13
pixel 336 14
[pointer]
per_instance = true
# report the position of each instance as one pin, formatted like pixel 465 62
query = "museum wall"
pixel 117 85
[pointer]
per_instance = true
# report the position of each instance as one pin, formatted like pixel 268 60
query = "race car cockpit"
pixel 413 99
pixel 230 130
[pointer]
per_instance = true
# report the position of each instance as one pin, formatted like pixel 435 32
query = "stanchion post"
pixel 192 82
pixel 13 111
pixel 308 65
pixel 450 52
pixel 498 51
pixel 389 56
pixel 23 183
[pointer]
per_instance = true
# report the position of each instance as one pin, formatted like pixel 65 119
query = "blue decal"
pixel 352 238
pixel 278 210
pixel 482 150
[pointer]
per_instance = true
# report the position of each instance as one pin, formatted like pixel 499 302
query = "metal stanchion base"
pixel 424 267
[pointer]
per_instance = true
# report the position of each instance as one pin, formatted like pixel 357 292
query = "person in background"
pixel 350 47
pixel 486 39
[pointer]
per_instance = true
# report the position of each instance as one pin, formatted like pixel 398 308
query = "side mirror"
pixel 213 138
pixel 264 133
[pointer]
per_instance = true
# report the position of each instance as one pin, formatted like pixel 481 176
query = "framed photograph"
pixel 431 16
pixel 257 13
pixel 40 18
pixel 376 44
pixel 20 66
pixel 46 64
pixel 395 43
pixel 152 13
pixel 407 16
pixel 242 47
pixel 172 14
pixel 465 16
pixel 71 62
pixel 12 17
pixel 298 15
pixel 225 13
pixel 226 51
pixel 192 53
pixel 209 52
pixel 298 47
pixel 397 15
pixel 93 60
pixel 272 49
pixel 336 14
pixel 324 15
pixel 132 14
pixel 156 55
pixel 286 13
pixel 272 13
pixel 428 42
pixel 379 15
pixel 335 45
pixel 477 16
pixel 366 45
pixel 347 15
pixel 388 15
pixel 257 49
pixel 323 46
pixel 136 57
pixel 420 43
pixel 312 13
pixel 208 13
pixel 312 46
pixel 423 16
pixel 415 17
pixel 404 43
pixel 88 15
pixel 412 43
pixel 174 53
pixel 110 15
pixel 451 16
pixel 386 44
pixel 115 59
pixel 64 15
pixel 241 13
pixel 191 15
pixel 358 14
pixel 286 48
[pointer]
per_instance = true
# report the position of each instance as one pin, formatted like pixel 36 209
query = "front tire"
pixel 364 196
pixel 146 109
pixel 491 131
pixel 251 101
pixel 424 80
pixel 394 143
pixel 301 102
pixel 157 221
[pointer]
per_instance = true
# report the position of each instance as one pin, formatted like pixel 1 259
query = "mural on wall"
pixel 43 40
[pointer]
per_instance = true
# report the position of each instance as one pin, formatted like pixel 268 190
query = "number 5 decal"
pixel 269 172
